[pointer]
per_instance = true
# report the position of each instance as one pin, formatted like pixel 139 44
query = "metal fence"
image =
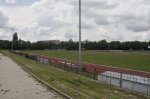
pixel 129 82
pixel 132 80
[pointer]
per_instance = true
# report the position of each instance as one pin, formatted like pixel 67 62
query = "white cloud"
pixel 11 1
pixel 58 19
pixel 3 20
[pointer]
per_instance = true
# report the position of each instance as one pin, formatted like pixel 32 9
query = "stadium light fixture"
pixel 79 53
pixel 108 39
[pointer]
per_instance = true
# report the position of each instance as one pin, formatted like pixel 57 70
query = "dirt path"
pixel 17 84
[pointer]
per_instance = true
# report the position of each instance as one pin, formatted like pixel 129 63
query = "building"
pixel 52 41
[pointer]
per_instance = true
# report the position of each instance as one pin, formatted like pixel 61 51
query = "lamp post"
pixel 107 38
pixel 108 42
pixel 12 40
pixel 79 54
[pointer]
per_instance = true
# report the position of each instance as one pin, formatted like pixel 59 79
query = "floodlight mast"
pixel 108 46
pixel 79 56
pixel 12 40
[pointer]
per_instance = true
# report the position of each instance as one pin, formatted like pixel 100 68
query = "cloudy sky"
pixel 58 19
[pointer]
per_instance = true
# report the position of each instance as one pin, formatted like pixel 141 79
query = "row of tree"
pixel 19 44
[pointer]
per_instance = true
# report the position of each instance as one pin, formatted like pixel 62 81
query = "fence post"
pixel 95 73
pixel 121 80
pixel 148 87
pixel 64 67
pixel 102 77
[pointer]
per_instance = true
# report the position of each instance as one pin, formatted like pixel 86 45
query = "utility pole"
pixel 79 56
pixel 12 40
pixel 108 43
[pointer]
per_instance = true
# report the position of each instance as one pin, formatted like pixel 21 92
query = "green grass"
pixel 73 84
pixel 130 60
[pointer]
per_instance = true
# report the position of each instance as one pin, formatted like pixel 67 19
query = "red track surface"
pixel 95 68
pixel 91 68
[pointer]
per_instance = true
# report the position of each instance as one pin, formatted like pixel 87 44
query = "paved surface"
pixel 15 83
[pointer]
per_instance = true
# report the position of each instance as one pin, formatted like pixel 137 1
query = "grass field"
pixel 72 84
pixel 130 60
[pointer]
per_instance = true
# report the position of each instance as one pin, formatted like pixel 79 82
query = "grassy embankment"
pixel 72 84
pixel 130 60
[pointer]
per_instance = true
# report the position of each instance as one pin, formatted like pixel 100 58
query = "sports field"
pixel 74 85
pixel 130 60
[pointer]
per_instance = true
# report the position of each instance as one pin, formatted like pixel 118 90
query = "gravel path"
pixel 15 83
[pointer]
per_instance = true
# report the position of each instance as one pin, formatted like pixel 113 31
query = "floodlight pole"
pixel 108 44
pixel 12 40
pixel 79 56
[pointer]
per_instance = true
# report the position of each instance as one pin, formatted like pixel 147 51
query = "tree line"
pixel 19 44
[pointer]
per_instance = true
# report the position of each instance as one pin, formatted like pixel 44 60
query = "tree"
pixel 15 37
pixel 15 41
pixel 115 45
pixel 71 45
pixel 103 45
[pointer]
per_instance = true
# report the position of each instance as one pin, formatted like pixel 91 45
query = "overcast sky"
pixel 58 19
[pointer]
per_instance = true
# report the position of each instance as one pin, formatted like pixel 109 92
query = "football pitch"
pixel 129 60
